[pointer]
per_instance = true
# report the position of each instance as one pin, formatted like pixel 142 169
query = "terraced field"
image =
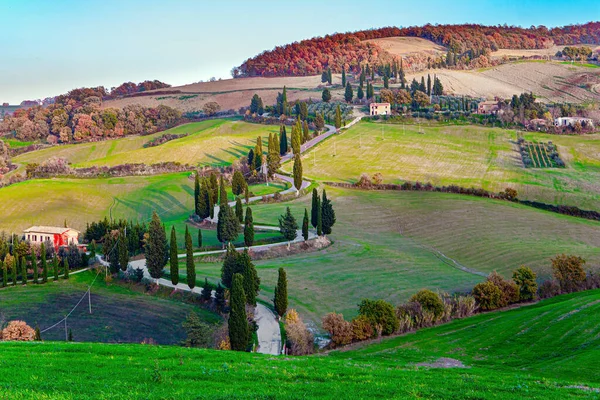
pixel 463 155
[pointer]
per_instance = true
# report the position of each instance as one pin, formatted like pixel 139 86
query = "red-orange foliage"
pixel 19 331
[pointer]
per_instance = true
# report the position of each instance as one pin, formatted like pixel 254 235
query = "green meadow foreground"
pixel 521 353
pixel 464 155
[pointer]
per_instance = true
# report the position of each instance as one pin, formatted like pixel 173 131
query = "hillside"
pixel 507 355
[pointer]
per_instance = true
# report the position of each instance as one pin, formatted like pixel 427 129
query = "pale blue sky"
pixel 52 46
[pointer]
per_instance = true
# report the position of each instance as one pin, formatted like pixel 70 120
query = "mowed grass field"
pixel 514 354
pixel 118 314
pixel 389 245
pixel 216 142
pixel 463 155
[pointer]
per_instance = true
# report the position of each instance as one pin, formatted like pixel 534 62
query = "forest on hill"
pixel 466 43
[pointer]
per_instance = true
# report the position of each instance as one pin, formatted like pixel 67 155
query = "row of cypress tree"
pixel 15 268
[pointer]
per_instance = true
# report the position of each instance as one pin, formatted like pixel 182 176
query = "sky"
pixel 51 47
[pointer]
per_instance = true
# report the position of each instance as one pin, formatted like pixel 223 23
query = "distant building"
pixel 379 109
pixel 570 121
pixel 58 236
pixel 488 107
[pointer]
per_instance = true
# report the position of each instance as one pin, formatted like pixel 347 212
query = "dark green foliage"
pixel 197 194
pixel 222 192
pixel 256 105
pixel 44 263
pixel 23 271
pixel 328 214
pixel 428 85
pixel 173 260
pixel 329 77
pixel 199 238
pixel 305 132
pixel 297 172
pixel 280 300
pixel 238 183
pixel 70 335
pixel 156 247
pixel 206 291
pixel 4 274
pixel 348 93
pixel 229 265
pixel 123 252
pixel 438 88
pixel 34 266
pixel 288 225
pixel 251 279
pixel 324 77
pixel 430 301
pixel 189 260
pixel 220 298
pixel 320 220
pixel 213 185
pixel 92 250
pixel 360 93
pixel 238 324
pixel 314 210
pixel 326 95
pixel 198 333
pixel 487 295
pixel 525 279
pixel 38 335
pixel 228 225
pixel 380 314
pixel 251 158
pixel 15 268
pixel 338 117
pixel 54 267
pixel 283 143
pixel 66 267
pixel 305 225
pixel 138 275
pixel 386 82
pixel 249 228
pixel 319 121
pixel 239 210
pixel 343 76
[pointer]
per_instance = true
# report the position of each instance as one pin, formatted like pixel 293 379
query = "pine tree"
pixel 44 263
pixel 228 225
pixel 197 194
pixel 173 260
pixel 54 267
pixel 199 238
pixel 280 300
pixel 348 94
pixel 288 225
pixel 206 291
pixel 222 192
pixel 297 173
pixel 66 267
pixel 189 260
pixel 343 76
pixel 320 220
pixel 428 85
pixel 34 266
pixel 338 117
pixel 155 247
pixel 123 251
pixel 326 95
pixel 239 210
pixel 251 279
pixel 305 225
pixel 249 228
pixel 220 297
pixel 328 214
pixel 238 324
pixel 229 265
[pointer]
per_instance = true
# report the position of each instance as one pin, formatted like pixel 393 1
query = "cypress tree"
pixel 92 249
pixel 173 260
pixel 197 194
pixel 211 207
pixel 297 173
pixel 23 271
pixel 123 251
pixel 239 210
pixel 338 117
pixel 228 225
pixel 348 93
pixel 14 271
pixel 54 267
pixel 238 183
pixel 422 86
pixel 328 214
pixel 249 228
pixel 343 76
pixel 214 188
pixel 220 297
pixel 329 78
pixel 70 337
pixel 247 194
pixel 360 94
pixel 44 263
pixel 386 82
pixel 305 225
pixel 314 208
pixel 199 238
pixel 238 324
pixel 288 225
pixel 280 300
pixel 222 192
pixel 283 144
pixel 305 132
pixel 251 158
pixel 251 279
pixel 66 267
pixel 4 274
pixel 229 265
pixel 326 95
pixel 155 247
pixel 189 259
pixel 428 85
pixel 202 202
pixel 206 291
pixel 34 266
pixel 320 220
pixel 38 335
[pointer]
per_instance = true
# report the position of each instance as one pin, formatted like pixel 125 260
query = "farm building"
pixel 379 109
pixel 488 107
pixel 58 236
pixel 571 121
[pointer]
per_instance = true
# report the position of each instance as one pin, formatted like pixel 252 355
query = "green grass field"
pixel 514 354
pixel 214 142
pixel 463 155
pixel 118 313
pixel 391 244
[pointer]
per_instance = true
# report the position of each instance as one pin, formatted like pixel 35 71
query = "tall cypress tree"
pixel 189 259
pixel 329 77
pixel 23 271
pixel 202 202
pixel 297 173
pixel 206 291
pixel 173 260
pixel 15 267
pixel 428 85
pixel 222 192
pixel 305 132
pixel 66 267
pixel 155 247
pixel 251 279
pixel 214 188
pixel 338 117
pixel 34 266
pixel 314 208
pixel 229 265
pixel 348 93
pixel 305 225
pixel 280 300
pixel 197 194
pixel 228 225
pixel 283 143
pixel 44 263
pixel 55 267
pixel 238 324
pixel 320 220
pixel 4 274
pixel 123 251
pixel 199 238
pixel 328 214
pixel 343 76
pixel 249 228
pixel 239 210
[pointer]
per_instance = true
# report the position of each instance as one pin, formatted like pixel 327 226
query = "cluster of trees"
pixel 78 116
pixel 426 308
pixel 466 43
pixel 5 163
pixel 322 218
pixel 575 53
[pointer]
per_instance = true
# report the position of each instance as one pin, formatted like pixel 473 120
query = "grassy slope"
pixel 211 142
pixel 464 155
pixel 515 354
pixel 119 314
pixel 388 244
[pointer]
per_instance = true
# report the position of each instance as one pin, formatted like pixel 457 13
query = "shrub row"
pixel 164 139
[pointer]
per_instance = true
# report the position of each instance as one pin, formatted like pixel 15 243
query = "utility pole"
pixel 66 333
pixel 90 299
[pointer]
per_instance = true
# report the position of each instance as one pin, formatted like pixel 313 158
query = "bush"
pixel 340 330
pixel 361 328
pixel 568 271
pixel 199 334
pixel 510 290
pixel 380 314
pixel 524 277
pixel 430 301
pixel 463 306
pixel 549 289
pixel 487 295
pixel 592 281
pixel 299 339
pixel 18 331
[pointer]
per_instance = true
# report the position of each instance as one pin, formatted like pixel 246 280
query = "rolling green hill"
pixel 506 355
